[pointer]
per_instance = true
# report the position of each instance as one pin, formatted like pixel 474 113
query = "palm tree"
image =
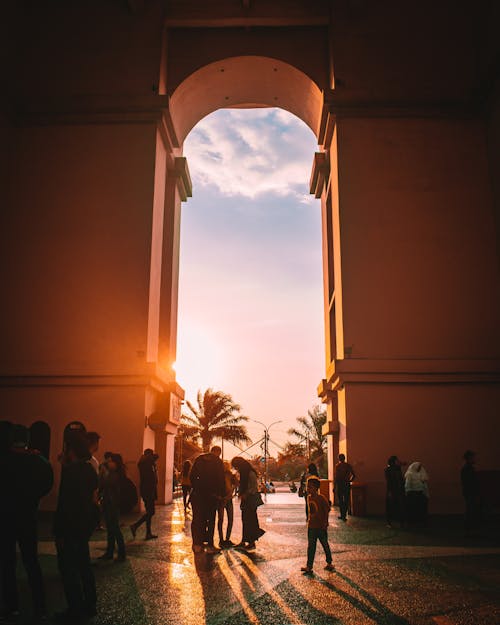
pixel 216 416
pixel 310 433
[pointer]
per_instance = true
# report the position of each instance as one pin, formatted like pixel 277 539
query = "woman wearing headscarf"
pixel 248 492
pixel 395 493
pixel 417 493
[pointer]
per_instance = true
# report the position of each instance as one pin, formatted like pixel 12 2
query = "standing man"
pixel 76 517
pixel 208 484
pixel 149 491
pixel 26 477
pixel 343 478
pixel 470 491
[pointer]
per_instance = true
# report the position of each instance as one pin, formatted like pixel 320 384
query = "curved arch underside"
pixel 245 82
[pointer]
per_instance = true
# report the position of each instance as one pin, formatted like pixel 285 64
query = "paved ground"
pixel 383 576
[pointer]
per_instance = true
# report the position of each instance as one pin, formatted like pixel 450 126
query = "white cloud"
pixel 240 152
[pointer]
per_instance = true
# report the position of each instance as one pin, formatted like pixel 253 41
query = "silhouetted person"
pixel 471 492
pixel 93 439
pixel 207 481
pixel 226 505
pixel 317 525
pixel 109 486
pixel 149 491
pixel 250 500
pixel 26 477
pixel 186 484
pixel 75 519
pixel 343 478
pixel 395 493
pixel 311 471
pixel 417 493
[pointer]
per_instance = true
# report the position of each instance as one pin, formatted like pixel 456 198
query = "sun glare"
pixel 200 358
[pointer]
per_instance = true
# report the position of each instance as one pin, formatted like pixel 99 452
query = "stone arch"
pixel 245 82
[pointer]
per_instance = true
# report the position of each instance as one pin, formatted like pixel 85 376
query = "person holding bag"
pixel 251 499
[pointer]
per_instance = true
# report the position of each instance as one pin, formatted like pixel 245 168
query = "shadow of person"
pixel 204 562
pixel 376 611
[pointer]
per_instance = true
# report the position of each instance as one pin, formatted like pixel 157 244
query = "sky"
pixel 250 289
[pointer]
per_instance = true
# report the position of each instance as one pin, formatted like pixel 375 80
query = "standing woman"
pixel 250 499
pixel 186 484
pixel 417 493
pixel 110 492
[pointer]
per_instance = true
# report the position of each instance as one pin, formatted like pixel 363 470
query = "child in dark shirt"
pixel 317 523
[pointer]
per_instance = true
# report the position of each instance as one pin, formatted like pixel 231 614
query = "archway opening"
pixel 250 299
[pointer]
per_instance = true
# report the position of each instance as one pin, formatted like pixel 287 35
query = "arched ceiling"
pixel 245 82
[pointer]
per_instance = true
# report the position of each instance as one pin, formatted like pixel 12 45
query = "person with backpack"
pixel 110 489
pixel 149 491
pixel 208 488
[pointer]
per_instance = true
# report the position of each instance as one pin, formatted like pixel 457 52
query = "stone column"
pixel 418 375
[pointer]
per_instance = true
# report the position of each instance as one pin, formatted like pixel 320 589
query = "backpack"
pixel 128 495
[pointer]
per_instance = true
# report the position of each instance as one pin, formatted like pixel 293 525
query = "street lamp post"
pixel 266 445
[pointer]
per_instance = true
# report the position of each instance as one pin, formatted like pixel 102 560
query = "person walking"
pixel 417 493
pixel 311 471
pixel 186 484
pixel 110 491
pixel 149 491
pixel 317 525
pixel 395 492
pixel 226 505
pixel 75 519
pixel 344 475
pixel 250 500
pixel 207 481
pixel 471 492
pixel 26 476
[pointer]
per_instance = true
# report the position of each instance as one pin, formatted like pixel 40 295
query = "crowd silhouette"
pixel 91 493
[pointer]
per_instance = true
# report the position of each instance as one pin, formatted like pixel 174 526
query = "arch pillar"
pixel 408 221
pixel 94 208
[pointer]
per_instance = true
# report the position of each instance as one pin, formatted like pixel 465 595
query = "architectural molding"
pixel 181 172
pixel 337 107
pixel 360 371
pixel 319 175
pixel 123 109
pixel 244 14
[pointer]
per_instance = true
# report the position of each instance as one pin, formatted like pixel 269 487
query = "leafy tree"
pixel 310 434
pixel 291 461
pixel 215 416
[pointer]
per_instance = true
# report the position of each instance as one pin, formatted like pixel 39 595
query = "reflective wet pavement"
pixel 382 576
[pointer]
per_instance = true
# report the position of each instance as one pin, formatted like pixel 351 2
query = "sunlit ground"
pixel 383 576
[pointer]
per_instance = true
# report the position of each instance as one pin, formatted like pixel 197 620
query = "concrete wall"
pixel 116 412
pixel 430 423
pixel 75 266
pixel 419 273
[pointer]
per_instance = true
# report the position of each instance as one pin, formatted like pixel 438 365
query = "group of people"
pixel 407 497
pixel 89 492
pixel 208 487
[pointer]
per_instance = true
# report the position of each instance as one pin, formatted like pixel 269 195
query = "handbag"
pixel 258 500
